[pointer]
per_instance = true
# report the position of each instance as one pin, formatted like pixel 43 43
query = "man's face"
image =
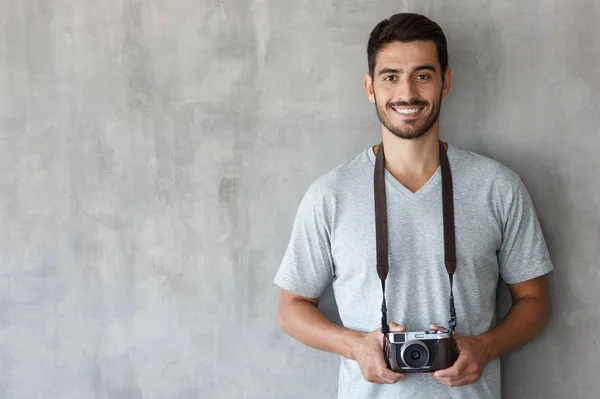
pixel 407 87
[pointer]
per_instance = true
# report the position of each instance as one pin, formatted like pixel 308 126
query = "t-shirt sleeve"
pixel 523 254
pixel 307 265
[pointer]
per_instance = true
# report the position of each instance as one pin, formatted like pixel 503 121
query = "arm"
pixel 300 318
pixel 527 316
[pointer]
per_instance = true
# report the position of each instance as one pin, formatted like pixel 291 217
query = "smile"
pixel 408 111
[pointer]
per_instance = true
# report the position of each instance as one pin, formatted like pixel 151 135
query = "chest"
pixel 416 242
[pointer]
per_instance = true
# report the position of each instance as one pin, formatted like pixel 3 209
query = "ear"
pixel 447 82
pixel 368 84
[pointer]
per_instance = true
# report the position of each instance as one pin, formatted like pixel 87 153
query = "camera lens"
pixel 415 354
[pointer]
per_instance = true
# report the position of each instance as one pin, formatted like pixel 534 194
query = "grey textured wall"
pixel 153 154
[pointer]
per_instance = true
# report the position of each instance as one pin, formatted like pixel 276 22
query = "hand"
pixel 368 352
pixel 469 366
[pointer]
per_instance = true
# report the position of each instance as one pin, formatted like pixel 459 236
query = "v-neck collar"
pixel 433 181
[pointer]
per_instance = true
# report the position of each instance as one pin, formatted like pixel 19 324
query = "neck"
pixel 412 158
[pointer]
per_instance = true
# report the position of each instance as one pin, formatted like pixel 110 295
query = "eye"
pixel 389 78
pixel 423 77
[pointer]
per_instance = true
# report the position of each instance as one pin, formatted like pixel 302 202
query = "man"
pixel 333 238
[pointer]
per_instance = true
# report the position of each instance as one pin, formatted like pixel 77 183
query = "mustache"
pixel 417 103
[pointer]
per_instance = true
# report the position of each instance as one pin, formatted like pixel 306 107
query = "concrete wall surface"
pixel 154 154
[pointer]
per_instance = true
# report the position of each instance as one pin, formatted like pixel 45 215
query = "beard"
pixel 416 128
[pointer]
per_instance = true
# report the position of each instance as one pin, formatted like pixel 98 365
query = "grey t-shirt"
pixel 333 242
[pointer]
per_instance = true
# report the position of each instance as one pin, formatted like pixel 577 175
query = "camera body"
pixel 420 352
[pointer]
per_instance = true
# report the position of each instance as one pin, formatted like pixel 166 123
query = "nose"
pixel 406 90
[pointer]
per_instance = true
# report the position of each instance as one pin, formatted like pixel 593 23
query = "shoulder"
pixel 340 179
pixel 344 180
pixel 485 171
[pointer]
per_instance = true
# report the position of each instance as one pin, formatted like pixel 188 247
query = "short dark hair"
pixel 406 27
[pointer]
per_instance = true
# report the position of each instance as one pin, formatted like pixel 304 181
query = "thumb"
pixel 396 327
pixel 436 327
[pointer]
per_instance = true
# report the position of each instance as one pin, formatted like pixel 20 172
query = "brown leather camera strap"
pixel 381 229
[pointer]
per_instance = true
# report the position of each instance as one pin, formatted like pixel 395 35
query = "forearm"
pixel 526 318
pixel 305 322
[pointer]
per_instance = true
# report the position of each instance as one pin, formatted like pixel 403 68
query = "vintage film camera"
pixel 414 352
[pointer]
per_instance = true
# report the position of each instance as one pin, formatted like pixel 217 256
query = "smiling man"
pixel 498 235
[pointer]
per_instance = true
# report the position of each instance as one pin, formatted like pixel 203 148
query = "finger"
pixel 389 376
pixel 396 327
pixel 446 380
pixel 386 378
pixel 436 327
pixel 460 339
pixel 455 382
pixel 374 375
pixel 456 369
pixel 385 373
pixel 375 380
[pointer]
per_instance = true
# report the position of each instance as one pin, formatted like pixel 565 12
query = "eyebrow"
pixel 415 69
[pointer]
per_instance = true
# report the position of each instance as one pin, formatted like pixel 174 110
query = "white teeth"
pixel 407 111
